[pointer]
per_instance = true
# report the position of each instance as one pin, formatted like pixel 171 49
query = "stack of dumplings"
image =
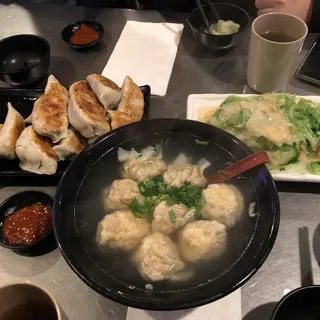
pixel 63 122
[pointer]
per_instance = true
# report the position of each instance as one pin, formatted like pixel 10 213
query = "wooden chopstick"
pixel 203 14
pixel 213 10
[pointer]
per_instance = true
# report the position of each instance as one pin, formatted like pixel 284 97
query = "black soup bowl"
pixel 226 11
pixel 24 59
pixel 78 208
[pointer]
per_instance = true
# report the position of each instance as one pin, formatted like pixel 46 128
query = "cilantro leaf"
pixel 152 187
pixel 155 191
pixel 142 209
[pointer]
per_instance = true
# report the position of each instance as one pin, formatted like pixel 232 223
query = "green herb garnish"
pixel 201 203
pixel 172 216
pixel 153 187
pixel 198 214
pixel 282 169
pixel 202 142
pixel 202 200
pixel 155 191
pixel 188 194
pixel 142 209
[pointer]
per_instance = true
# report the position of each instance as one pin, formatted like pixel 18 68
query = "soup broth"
pixel 119 265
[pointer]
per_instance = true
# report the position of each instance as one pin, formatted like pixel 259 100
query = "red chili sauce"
pixel 28 224
pixel 84 35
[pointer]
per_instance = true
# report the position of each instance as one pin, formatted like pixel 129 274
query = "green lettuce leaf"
pixel 314 167
pixel 286 154
pixel 285 100
pixel 232 98
pixel 224 120
pixel 306 119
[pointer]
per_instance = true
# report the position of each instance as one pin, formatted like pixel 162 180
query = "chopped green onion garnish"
pixel 155 191
pixel 172 216
pixel 202 142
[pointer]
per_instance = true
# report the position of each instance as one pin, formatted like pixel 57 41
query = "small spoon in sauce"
pixel 239 167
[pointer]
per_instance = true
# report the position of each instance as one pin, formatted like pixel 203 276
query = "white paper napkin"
pixel 145 52
pixel 227 308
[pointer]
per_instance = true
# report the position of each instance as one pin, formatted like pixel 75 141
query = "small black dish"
pixel 69 30
pixel 226 11
pixel 18 201
pixel 24 59
pixel 299 304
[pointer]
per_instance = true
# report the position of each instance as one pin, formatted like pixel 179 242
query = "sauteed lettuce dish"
pixel 285 126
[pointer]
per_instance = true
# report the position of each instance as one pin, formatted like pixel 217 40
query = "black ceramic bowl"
pixel 18 201
pixel 69 30
pixel 299 304
pixel 78 208
pixel 24 59
pixel 227 11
